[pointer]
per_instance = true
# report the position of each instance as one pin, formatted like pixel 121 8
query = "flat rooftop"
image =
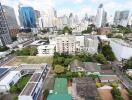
pixel 3 70
pixel 31 66
pixel 35 77
pixel 29 88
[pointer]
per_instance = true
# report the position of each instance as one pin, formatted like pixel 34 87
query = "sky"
pixel 78 7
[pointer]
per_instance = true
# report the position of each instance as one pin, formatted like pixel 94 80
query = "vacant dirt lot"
pixel 105 94
pixel 30 60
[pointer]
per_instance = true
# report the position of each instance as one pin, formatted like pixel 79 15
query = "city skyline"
pixel 78 7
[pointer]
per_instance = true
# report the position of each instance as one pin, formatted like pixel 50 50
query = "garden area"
pixel 18 87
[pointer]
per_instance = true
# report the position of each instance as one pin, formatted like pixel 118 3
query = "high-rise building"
pixel 48 18
pixel 5 37
pixel 11 20
pixel 27 17
pixel 71 20
pixel 121 18
pixel 101 17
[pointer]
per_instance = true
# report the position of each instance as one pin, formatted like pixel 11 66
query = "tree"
pixel 3 48
pixel 60 60
pixel 108 53
pixel 128 64
pixel 66 29
pixel 59 69
pixel 46 93
pixel 89 30
pixel 45 30
pixel 67 61
pixel 101 59
pixel 69 74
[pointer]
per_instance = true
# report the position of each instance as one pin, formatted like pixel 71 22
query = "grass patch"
pixel 18 87
pixel 30 60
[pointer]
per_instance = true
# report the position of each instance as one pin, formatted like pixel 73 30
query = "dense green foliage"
pixel 108 53
pixel 45 30
pixel 14 39
pixel 64 60
pixel 116 94
pixel 89 30
pixel 128 64
pixel 18 87
pixel 101 59
pixel 3 48
pixel 66 29
pixel 26 52
pixel 45 94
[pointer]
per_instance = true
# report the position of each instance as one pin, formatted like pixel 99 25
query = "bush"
pixel 4 48
pixel 26 52
pixel 59 69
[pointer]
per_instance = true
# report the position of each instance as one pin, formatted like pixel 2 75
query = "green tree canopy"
pixel 101 59
pixel 59 69
pixel 108 53
pixel 66 29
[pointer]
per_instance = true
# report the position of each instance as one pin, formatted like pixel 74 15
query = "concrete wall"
pixel 121 52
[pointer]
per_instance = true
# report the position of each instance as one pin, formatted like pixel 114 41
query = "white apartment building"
pixel 81 43
pixel 90 43
pixel 121 49
pixel 65 44
pixel 46 50
pixel 33 88
pixel 8 80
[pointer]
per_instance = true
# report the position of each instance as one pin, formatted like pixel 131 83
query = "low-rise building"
pixel 8 80
pixel 85 89
pixel 46 50
pixel 33 88
pixel 88 67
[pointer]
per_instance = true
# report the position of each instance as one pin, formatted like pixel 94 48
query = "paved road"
pixel 124 79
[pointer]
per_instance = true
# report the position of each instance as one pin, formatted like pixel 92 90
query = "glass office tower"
pixel 27 17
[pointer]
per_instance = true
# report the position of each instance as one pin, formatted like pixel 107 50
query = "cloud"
pixel 79 1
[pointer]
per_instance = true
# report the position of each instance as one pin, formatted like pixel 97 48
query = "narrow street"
pixel 124 79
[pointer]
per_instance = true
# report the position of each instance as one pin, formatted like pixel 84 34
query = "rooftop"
pixel 91 67
pixel 29 88
pixel 75 64
pixel 40 42
pixel 8 77
pixel 60 90
pixel 121 42
pixel 86 88
pixel 35 77
pixel 3 70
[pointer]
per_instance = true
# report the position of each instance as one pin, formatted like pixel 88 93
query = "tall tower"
pixel 5 37
pixel 27 17
pixel 101 17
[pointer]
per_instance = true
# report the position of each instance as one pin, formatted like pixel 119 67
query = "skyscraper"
pixel 5 37
pixel 121 18
pixel 101 17
pixel 11 20
pixel 27 17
